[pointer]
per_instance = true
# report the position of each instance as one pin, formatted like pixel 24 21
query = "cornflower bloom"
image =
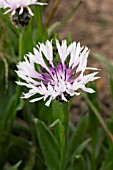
pixel 1 4
pixel 21 13
pixel 55 73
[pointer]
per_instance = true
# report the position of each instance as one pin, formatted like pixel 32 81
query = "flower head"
pixel 21 13
pixel 13 5
pixel 55 73
pixel 1 4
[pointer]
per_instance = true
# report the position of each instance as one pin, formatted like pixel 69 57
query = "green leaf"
pixel 2 151
pixel 5 104
pixel 93 130
pixel 10 146
pixel 77 154
pixel 110 123
pixel 31 161
pixel 61 111
pixel 28 38
pixel 79 134
pixel 111 83
pixel 97 114
pixel 49 145
pixel 81 147
pixel 59 128
pixel 78 163
pixel 77 137
pixel 108 165
pixel 53 27
pixel 15 167
pixel 9 113
pixel 42 111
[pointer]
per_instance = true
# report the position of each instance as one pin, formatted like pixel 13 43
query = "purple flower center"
pixel 61 72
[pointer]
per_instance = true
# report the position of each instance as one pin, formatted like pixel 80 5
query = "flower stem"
pixel 21 45
pixel 40 24
pixel 21 57
pixel 65 120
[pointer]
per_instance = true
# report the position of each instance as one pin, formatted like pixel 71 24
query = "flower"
pixel 21 13
pixel 13 5
pixel 1 4
pixel 55 73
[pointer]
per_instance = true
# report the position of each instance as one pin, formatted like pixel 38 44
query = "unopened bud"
pixel 21 20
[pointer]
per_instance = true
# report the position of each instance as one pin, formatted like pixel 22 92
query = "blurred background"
pixel 92 25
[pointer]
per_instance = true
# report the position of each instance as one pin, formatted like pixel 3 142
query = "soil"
pixel 92 25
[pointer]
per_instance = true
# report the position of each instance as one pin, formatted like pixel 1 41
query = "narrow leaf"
pixel 81 147
pixel 15 167
pixel 79 134
pixel 48 145
pixel 77 137
pixel 31 161
pixel 78 163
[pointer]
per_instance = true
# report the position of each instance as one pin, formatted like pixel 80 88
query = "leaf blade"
pixel 48 144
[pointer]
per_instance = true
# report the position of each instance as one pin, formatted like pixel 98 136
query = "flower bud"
pixel 21 20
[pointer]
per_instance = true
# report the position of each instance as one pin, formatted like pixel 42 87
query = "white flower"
pixel 1 4
pixel 61 73
pixel 19 4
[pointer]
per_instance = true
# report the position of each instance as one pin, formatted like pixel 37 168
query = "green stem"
pixel 65 120
pixel 21 57
pixel 21 45
pixel 40 23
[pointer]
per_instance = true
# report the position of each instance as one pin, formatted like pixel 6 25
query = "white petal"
pixel 37 99
pixel 37 58
pixel 62 50
pixel 83 61
pixel 14 11
pixel 23 84
pixel 63 97
pixel 92 68
pixel 39 3
pixel 31 13
pixel 73 54
pixel 28 95
pixel 47 50
pixel 88 90
pixel 89 77
pixel 77 93
pixel 21 11
pixel 9 10
pixel 48 102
